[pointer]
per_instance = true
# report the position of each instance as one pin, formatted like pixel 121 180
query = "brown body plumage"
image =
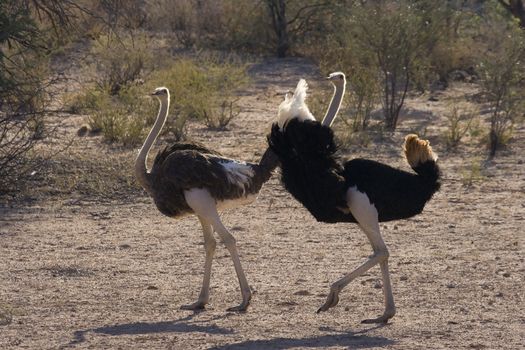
pixel 189 178
pixel 184 166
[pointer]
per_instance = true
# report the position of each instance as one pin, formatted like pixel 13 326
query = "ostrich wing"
pixel 181 146
pixel 192 169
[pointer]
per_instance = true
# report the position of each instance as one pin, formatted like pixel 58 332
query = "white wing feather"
pixel 238 173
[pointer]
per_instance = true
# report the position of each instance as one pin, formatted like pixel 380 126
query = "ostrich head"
pixel 337 78
pixel 161 92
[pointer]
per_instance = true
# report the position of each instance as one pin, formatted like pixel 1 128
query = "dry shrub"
pixel 363 99
pixel 362 96
pixel 384 50
pixel 203 89
pixel 123 118
pixel 24 93
pixel 459 121
pixel 227 24
pixel 399 37
pixel 227 112
pixel 121 61
pixel 472 173
pixel 502 75
pixel 454 46
pixel 318 100
pixel 6 315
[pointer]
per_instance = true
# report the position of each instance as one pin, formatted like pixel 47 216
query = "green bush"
pixel 123 118
pixel 203 89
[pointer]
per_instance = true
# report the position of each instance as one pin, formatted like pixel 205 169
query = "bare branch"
pixel 304 8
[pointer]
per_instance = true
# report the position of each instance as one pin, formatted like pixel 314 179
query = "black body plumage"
pixel 185 166
pixel 316 177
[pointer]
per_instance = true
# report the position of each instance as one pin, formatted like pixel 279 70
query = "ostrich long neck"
pixel 268 162
pixel 141 171
pixel 335 103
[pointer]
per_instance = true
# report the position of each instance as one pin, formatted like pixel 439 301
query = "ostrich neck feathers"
pixel 335 104
pixel 141 170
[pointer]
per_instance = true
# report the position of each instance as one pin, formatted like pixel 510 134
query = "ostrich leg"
pixel 209 246
pixel 366 215
pixel 230 243
pixel 204 205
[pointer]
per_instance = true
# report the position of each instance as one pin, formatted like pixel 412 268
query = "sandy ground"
pixel 82 273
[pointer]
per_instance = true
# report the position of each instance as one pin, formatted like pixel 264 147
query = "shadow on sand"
pixel 350 340
pixel 183 325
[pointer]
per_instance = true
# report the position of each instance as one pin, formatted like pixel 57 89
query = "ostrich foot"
pixel 331 301
pixel 196 306
pixel 240 308
pixel 382 319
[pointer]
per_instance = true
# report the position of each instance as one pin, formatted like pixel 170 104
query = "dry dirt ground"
pixel 79 272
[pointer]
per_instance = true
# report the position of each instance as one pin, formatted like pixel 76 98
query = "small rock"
pixel 152 288
pixel 302 292
pixel 403 278
pixel 83 130
pixel 506 274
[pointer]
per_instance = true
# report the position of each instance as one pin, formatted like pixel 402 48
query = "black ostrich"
pixel 361 191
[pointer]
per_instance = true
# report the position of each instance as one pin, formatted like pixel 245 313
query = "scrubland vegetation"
pixel 202 50
pixel 86 259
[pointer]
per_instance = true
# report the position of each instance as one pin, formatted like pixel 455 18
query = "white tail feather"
pixel 294 107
